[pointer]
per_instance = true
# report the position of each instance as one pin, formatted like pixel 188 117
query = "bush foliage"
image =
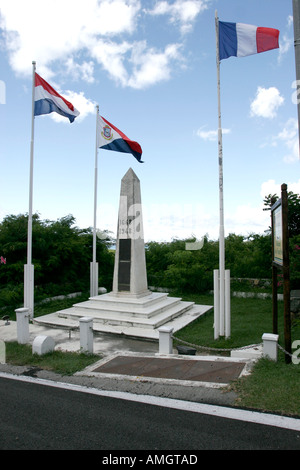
pixel 171 265
pixel 62 252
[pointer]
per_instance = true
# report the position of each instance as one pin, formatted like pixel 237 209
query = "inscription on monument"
pixel 124 264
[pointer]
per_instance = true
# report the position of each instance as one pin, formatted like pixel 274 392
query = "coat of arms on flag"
pixel 107 134
pixel 117 140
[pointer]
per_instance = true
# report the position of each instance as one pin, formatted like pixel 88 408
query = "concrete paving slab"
pixel 171 368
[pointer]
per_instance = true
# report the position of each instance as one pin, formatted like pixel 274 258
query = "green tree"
pixel 293 211
pixel 61 254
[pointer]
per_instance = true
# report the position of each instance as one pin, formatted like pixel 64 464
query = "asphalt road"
pixel 39 417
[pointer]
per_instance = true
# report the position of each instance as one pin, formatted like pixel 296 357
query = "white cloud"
pixel 288 137
pixel 287 140
pixel 182 12
pixel 285 44
pixel 111 56
pixel 247 219
pixel 80 102
pixel 210 135
pixel 29 37
pixel 271 187
pixel 286 40
pixel 84 71
pixel 266 102
pixel 98 29
pixel 114 16
pixel 148 65
pixel 151 66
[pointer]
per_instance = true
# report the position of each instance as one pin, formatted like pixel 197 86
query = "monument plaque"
pixel 124 264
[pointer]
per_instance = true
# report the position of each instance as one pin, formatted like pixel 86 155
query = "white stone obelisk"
pixel 130 275
pixel 130 308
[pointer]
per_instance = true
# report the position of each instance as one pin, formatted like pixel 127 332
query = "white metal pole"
pixel 29 235
pixel 29 268
pixel 216 305
pixel 221 206
pixel 95 187
pixel 94 264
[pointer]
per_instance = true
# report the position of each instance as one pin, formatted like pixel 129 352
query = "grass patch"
pixel 250 319
pixel 61 362
pixel 272 386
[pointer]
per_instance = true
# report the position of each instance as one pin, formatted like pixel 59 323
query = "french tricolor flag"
pixel 111 138
pixel 47 100
pixel 240 40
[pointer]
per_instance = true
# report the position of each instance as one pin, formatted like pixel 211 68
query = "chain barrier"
pixel 197 346
pixel 285 352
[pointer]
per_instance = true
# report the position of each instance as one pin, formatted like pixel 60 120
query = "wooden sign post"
pixel 280 261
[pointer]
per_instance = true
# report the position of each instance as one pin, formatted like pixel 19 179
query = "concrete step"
pixel 126 329
pixel 135 317
pixel 106 306
pixel 127 301
pixel 163 314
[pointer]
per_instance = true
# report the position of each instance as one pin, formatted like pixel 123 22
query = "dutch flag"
pixel 240 40
pixel 111 138
pixel 47 100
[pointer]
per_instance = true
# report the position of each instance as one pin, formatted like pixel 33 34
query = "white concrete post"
pixel 270 346
pixel 216 305
pixel 2 352
pixel 93 279
pixel 165 340
pixel 227 304
pixel 86 334
pixel 22 325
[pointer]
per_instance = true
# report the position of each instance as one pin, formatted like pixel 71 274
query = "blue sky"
pixel 151 68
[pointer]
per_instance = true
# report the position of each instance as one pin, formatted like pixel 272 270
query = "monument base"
pixel 127 314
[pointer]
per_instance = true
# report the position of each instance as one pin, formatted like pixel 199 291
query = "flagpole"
pixel 223 306
pixel 94 264
pixel 29 268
